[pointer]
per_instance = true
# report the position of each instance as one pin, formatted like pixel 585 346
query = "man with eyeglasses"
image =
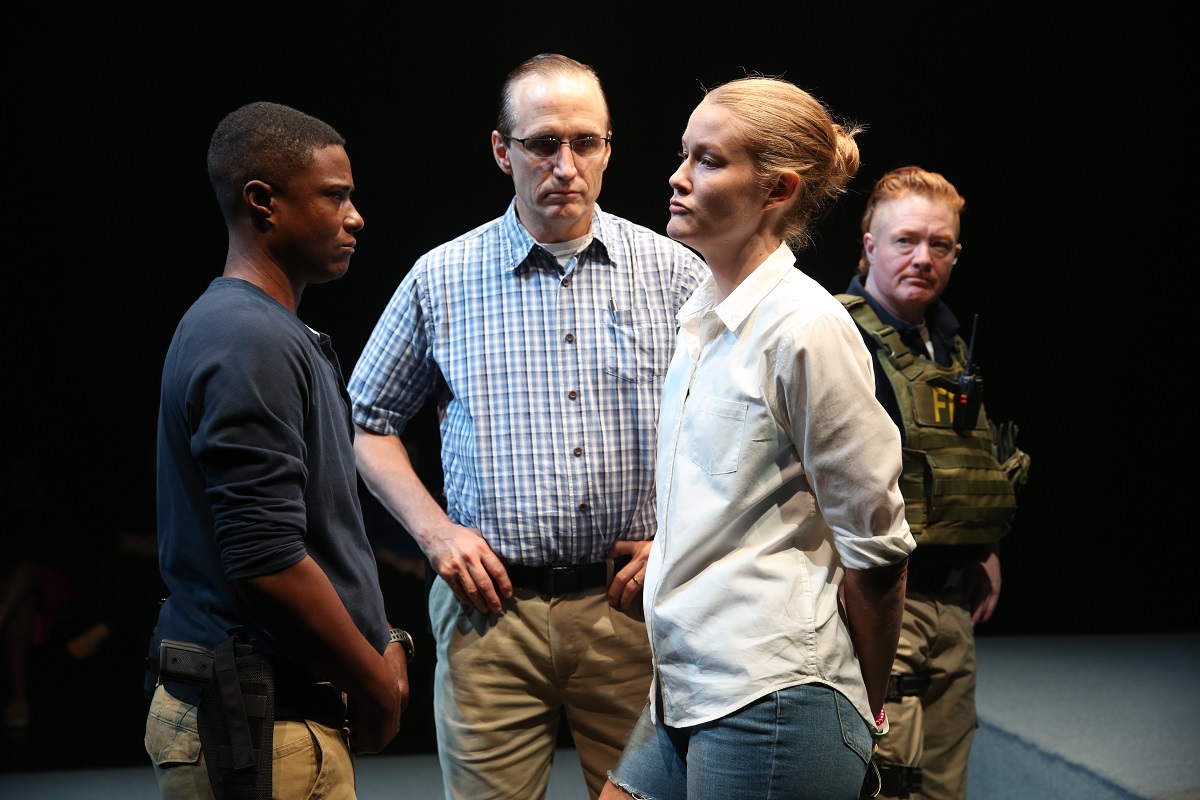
pixel 544 336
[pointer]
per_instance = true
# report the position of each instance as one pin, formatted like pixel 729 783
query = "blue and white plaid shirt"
pixel 548 380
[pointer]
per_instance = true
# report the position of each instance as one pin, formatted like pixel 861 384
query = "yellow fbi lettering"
pixel 943 405
pixel 935 405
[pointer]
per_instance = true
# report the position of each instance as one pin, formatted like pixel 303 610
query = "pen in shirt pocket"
pixel 612 308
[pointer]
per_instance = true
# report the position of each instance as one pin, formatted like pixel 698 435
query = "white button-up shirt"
pixel 777 470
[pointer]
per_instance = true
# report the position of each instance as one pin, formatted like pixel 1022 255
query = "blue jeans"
pixel 805 742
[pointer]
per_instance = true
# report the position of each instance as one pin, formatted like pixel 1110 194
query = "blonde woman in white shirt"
pixel 774 589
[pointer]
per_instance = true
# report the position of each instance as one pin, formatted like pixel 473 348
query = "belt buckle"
pixel 562 579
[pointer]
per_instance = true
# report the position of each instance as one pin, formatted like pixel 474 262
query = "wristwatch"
pixel 405 640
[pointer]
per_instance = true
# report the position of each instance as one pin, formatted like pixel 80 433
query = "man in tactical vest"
pixel 958 485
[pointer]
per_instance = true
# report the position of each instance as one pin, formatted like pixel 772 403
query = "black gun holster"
pixel 236 714
pixel 909 684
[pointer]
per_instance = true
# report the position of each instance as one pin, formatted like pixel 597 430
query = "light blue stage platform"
pixel 1105 717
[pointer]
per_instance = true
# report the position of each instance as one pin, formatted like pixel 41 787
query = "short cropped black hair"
pixel 263 141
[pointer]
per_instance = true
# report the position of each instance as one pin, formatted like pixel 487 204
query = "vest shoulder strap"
pixel 887 337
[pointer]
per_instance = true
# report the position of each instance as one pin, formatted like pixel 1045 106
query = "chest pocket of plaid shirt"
pixel 716 435
pixel 638 343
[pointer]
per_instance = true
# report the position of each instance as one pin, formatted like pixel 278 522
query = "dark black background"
pixel 1062 131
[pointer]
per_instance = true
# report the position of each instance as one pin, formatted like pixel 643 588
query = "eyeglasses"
pixel 548 146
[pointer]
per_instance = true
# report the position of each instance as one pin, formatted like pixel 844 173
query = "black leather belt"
pixel 319 702
pixel 559 579
pixel 935 578
pixel 186 669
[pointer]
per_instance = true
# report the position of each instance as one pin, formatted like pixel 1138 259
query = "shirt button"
pixel 570 337
pixel 572 394
pixel 578 451
pixel 583 506
pixel 566 281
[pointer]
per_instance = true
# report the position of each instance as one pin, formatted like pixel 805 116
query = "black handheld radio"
pixel 970 389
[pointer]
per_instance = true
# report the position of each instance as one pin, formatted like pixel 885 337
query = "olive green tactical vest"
pixel 955 491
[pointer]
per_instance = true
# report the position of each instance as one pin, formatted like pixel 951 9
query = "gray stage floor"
pixel 382 777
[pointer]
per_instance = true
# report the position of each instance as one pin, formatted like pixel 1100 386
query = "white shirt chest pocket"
pixel 716 434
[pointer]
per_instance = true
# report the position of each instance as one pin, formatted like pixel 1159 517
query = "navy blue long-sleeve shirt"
pixel 255 468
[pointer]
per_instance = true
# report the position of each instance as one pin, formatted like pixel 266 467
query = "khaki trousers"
pixel 935 731
pixel 500 684
pixel 309 760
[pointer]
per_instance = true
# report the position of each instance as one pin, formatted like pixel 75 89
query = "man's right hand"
pixel 460 555
pixel 469 566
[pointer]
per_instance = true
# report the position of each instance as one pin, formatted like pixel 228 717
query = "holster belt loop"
pixel 225 672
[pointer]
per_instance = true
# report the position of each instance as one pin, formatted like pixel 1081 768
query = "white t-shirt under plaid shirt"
pixel 548 380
